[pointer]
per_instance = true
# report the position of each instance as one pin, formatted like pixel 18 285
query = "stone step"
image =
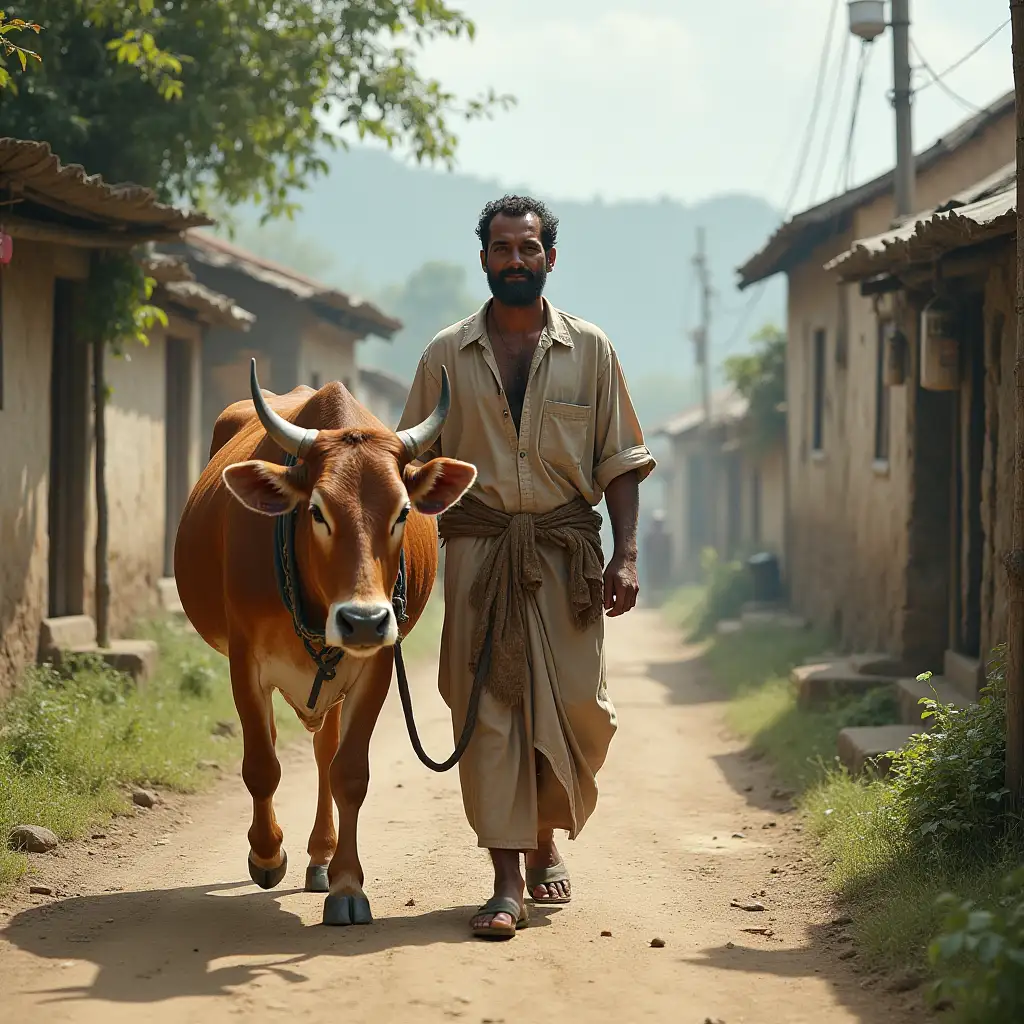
pixel 167 590
pixel 136 658
pixel 65 631
pixel 910 692
pixel 822 682
pixel 964 672
pixel 861 747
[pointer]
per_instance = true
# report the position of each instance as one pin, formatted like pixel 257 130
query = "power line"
pixel 937 80
pixel 837 97
pixel 801 164
pixel 966 57
pixel 845 178
pixel 798 170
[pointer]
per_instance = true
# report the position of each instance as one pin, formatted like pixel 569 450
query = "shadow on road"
pixel 160 944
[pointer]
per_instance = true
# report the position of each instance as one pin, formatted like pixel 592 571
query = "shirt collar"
pixel 475 328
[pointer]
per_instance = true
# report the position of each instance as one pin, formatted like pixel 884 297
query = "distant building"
pixel 720 494
pixel 382 393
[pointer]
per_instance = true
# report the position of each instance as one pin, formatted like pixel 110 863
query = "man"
pixel 540 407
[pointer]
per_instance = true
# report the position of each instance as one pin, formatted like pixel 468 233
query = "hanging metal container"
pixel 867 18
pixel 895 365
pixel 940 346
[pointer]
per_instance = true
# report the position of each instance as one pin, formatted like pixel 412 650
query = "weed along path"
pixel 690 845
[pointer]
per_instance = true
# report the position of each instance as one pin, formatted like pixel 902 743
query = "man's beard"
pixel 524 292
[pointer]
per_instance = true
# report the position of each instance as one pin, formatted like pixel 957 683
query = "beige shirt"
pixel 579 430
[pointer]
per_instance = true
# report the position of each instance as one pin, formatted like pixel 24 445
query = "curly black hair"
pixel 518 206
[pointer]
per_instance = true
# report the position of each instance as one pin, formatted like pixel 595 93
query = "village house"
pixel 60 218
pixel 947 279
pixel 722 490
pixel 305 331
pixel 868 489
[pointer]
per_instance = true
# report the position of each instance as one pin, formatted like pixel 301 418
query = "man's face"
pixel 515 261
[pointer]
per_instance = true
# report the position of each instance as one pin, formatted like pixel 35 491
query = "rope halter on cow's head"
pixel 293 439
pixel 419 439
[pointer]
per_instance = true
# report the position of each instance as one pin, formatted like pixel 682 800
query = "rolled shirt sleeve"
pixel 423 396
pixel 618 439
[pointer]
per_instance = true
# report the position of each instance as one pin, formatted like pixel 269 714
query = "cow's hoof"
pixel 316 878
pixel 267 878
pixel 341 910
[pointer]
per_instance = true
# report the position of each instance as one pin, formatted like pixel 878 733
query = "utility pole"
pixel 701 333
pixel 901 99
pixel 1015 558
pixel 867 20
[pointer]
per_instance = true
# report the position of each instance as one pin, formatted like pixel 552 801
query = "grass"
pixel 870 861
pixel 72 743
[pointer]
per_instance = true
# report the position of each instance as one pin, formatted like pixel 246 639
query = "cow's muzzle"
pixel 360 628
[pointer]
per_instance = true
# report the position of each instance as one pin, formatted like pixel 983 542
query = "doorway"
pixel 177 432
pixel 69 457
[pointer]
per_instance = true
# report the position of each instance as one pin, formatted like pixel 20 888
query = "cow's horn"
pixel 293 439
pixel 418 439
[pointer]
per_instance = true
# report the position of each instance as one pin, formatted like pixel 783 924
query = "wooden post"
pixel 1015 558
pixel 99 391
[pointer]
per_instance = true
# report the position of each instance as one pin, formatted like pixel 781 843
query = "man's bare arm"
pixel 621 585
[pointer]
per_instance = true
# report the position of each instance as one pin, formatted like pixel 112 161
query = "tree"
pixel 237 98
pixel 8 48
pixel 760 377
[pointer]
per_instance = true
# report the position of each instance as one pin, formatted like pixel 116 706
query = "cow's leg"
pixel 261 770
pixel 350 776
pixel 323 840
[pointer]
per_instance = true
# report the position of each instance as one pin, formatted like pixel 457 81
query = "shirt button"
pixel 505 414
pixel 522 455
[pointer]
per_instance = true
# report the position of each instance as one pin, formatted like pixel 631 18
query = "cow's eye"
pixel 318 516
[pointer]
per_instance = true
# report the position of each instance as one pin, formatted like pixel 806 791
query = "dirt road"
pixel 174 931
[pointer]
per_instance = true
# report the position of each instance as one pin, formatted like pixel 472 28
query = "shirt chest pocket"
pixel 563 434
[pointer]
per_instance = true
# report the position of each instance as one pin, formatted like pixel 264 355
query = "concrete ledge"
pixel 136 658
pixel 822 682
pixel 866 746
pixel 910 692
pixel 64 632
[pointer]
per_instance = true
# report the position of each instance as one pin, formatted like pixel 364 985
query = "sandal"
pixel 501 905
pixel 546 876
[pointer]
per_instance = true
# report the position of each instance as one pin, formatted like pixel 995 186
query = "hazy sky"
pixel 692 98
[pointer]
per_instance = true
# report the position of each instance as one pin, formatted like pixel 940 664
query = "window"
pixel 314 381
pixel 818 395
pixel 885 329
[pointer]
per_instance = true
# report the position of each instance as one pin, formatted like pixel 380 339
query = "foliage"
pixel 946 785
pixel 236 97
pixel 982 953
pixel 760 377
pixel 728 586
pixel 11 49
pixel 71 739
pixel 116 305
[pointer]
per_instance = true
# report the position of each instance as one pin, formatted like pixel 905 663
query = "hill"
pixel 373 224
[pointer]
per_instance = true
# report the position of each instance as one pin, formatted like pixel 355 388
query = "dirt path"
pixel 171 932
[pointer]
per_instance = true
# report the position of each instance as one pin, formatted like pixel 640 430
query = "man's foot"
pixel 508 885
pixel 546 876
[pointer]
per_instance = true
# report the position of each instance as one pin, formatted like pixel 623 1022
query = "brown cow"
pixel 359 503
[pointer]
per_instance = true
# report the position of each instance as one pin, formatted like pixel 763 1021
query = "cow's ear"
pixel 439 484
pixel 263 486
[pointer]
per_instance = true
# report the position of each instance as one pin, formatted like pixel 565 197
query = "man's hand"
pixel 620 585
